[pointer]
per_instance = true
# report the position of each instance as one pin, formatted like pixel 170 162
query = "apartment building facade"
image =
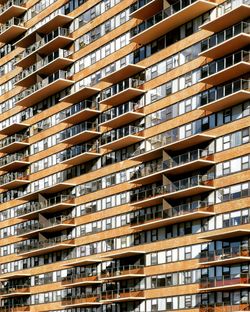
pixel 124 155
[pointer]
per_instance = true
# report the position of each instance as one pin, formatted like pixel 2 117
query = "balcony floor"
pixel 226 287
pixel 14 128
pixel 123 119
pixel 122 277
pixel 12 11
pixel 123 96
pixel 83 115
pixel 14 165
pixel 84 261
pixel 225 234
pixel 123 73
pixel 173 21
pixel 226 261
pixel 148 9
pixel 13 147
pixel 14 184
pixel 11 33
pixel 122 142
pixel 80 159
pixel 80 95
pixel 83 136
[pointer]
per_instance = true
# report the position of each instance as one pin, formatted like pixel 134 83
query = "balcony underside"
pixel 122 142
pixel 80 159
pixel 13 147
pixel 45 250
pixel 55 22
pixel 81 137
pixel 226 287
pixel 124 254
pixel 169 221
pixel 123 96
pixel 14 128
pixel 79 282
pixel 227 47
pixel 15 294
pixel 123 119
pixel 80 95
pixel 84 303
pixel 46 91
pixel 83 115
pixel 173 21
pixel 11 276
pixel 227 101
pixel 233 71
pixel 226 234
pixel 123 73
pixel 11 33
pixel 50 68
pixel 46 49
pixel 12 11
pixel 226 261
pixel 148 9
pixel 230 18
pixel 14 165
pixel 123 298
pixel 14 184
pixel 122 277
pixel 83 262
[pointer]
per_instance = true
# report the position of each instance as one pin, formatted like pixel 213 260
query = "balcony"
pixel 122 295
pixel 181 213
pixel 13 162
pixel 84 279
pixel 79 154
pixel 120 138
pixel 226 41
pixel 46 66
pixel 122 92
pixel 122 115
pixel 14 128
pixel 15 291
pixel 227 14
pixel 51 24
pixel 82 132
pixel 79 93
pixel 232 66
pixel 80 112
pixel 43 89
pixel 225 256
pixel 123 73
pixel 11 30
pixel 13 143
pixel 226 307
pixel 226 282
pixel 123 273
pixel 143 9
pixel 226 96
pixel 12 8
pixel 51 225
pixel 57 39
pixel 84 261
pixel 166 20
pixel 13 276
pixel 13 180
pixel 51 205
pixel 85 300
pixel 182 188
pixel 179 164
pixel 225 234
pixel 123 254
pixel 43 247
pixel 16 308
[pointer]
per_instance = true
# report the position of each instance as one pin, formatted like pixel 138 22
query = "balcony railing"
pixel 122 271
pixel 16 138
pixel 122 294
pixel 225 307
pixel 45 61
pixel 77 108
pixel 225 281
pixel 15 21
pixel 12 176
pixel 81 299
pixel 119 87
pixel 117 134
pixel 197 180
pixel 77 150
pixel 15 289
pixel 16 308
pixel 224 254
pixel 9 4
pixel 11 158
pixel 225 35
pixel 90 276
pixel 221 64
pixel 138 4
pixel 77 129
pixel 61 74
pixel 39 44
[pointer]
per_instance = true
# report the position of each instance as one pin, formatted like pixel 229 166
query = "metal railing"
pixel 224 254
pixel 78 150
pixel 138 4
pixel 225 307
pixel 13 139
pixel 9 4
pixel 84 297
pixel 15 289
pixel 88 276
pixel 117 134
pixel 77 129
pixel 11 158
pixel 214 40
pixel 122 270
pixel 12 176
pixel 121 86
pixel 76 108
pixel 226 280
pixel 221 64
pixel 122 293
pixel 12 22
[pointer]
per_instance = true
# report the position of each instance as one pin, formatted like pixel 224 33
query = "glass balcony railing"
pixel 224 254
pixel 61 74
pixel 9 4
pixel 35 67
pixel 77 129
pixel 84 298
pixel 39 44
pixel 183 184
pixel 120 110
pixel 121 86
pixel 89 275
pixel 12 158
pixel 155 19
pixel 77 108
pixel 122 294
pixel 175 161
pixel 123 270
pixel 78 150
pixel 15 21
pixel 221 64
pixel 138 4
pixel 117 134
pixel 225 281
pixel 15 289
pixel 12 176
pixel 13 139
pixel 225 35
